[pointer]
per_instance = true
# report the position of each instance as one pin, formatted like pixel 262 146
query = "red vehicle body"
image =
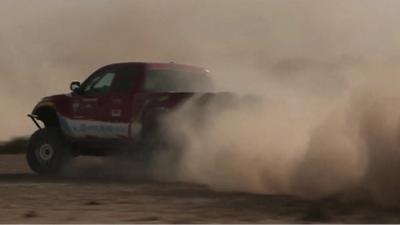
pixel 115 105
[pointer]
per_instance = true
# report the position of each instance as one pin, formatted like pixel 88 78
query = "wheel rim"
pixel 45 152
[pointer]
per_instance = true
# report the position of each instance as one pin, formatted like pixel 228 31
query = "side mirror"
pixel 75 86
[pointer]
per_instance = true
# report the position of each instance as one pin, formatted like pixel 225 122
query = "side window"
pixel 124 84
pixel 100 84
pixel 126 79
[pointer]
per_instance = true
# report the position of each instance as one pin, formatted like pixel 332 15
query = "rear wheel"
pixel 47 151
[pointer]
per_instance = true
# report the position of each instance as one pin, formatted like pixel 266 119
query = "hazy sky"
pixel 46 43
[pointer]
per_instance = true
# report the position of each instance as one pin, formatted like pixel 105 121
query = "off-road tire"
pixel 47 151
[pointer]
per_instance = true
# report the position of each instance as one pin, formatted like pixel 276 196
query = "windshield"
pixel 176 81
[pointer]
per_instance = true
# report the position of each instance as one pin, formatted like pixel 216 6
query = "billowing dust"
pixel 296 145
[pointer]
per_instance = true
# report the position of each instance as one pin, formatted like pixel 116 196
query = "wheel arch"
pixel 48 116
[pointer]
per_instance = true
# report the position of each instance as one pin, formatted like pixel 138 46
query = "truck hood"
pixel 55 97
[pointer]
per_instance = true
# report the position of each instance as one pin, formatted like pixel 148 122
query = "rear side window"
pixel 176 81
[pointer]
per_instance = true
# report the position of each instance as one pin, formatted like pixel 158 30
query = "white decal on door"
pixel 116 112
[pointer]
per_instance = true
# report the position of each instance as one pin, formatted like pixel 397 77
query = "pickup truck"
pixel 116 106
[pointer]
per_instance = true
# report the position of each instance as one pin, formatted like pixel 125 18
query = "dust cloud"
pixel 294 145
pixel 326 71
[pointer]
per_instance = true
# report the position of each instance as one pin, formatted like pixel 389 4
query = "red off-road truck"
pixel 118 105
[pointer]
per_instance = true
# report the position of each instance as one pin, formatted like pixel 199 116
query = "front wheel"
pixel 47 151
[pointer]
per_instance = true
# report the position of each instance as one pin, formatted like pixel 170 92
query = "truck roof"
pixel 161 66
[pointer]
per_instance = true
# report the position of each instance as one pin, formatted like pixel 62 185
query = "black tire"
pixel 47 151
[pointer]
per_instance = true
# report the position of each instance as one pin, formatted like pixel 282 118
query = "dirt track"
pixel 28 198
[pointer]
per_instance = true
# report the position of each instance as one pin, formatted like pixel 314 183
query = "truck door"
pixel 86 108
pixel 117 106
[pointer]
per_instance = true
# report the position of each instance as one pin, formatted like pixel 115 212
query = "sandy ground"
pixel 28 198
